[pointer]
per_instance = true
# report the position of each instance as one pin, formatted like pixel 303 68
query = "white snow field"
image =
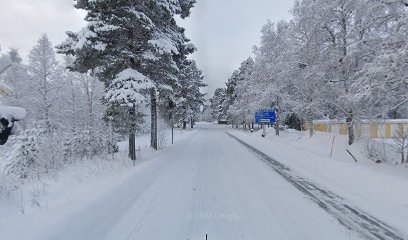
pixel 210 183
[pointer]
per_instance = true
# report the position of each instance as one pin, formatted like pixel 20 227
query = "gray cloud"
pixel 22 22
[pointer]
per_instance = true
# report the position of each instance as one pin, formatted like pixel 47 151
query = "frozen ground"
pixel 378 189
pixel 211 183
pixel 66 185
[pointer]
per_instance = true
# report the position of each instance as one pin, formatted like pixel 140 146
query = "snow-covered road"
pixel 209 183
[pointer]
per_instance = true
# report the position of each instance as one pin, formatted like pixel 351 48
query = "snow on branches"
pixel 126 87
pixel 334 59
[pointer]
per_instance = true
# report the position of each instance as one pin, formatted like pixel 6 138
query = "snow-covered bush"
pixel 382 150
pixel 401 141
pixel 24 157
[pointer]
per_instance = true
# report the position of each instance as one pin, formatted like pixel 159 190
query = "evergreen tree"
pixel 168 48
pixel 189 99
pixel 131 47
pixel 16 77
pixel 218 110
pixel 25 162
pixel 237 91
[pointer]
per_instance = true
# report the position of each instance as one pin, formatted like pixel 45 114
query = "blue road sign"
pixel 265 117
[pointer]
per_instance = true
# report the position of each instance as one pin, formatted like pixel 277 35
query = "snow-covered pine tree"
pixel 24 156
pixel 120 44
pixel 16 77
pixel 205 115
pixel 231 96
pixel 189 98
pixel 218 111
pixel 198 98
pixel 237 90
pixel 126 91
pixel 168 48
pixel 113 46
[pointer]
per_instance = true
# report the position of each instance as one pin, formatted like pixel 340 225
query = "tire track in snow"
pixel 350 217
pixel 142 222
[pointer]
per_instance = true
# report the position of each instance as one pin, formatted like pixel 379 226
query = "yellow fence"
pixel 4 90
pixel 386 129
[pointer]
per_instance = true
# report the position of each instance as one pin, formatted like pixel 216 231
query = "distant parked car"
pixel 224 122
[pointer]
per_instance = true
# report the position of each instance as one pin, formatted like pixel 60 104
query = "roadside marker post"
pixel 332 144
pixel 355 159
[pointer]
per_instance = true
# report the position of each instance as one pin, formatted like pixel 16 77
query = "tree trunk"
pixel 192 123
pixel 153 110
pixel 345 53
pixel 350 127
pixel 184 124
pixel 132 153
pixel 311 127
pixel 310 122
pixel 403 149
pixel 132 134
pixel 402 152
pixel 112 140
pixel 277 128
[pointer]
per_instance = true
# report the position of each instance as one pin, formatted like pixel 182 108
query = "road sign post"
pixel 264 117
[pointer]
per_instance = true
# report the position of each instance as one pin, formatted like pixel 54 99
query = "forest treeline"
pixel 122 73
pixel 334 59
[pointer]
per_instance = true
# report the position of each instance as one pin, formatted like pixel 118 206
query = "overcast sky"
pixel 223 30
pixel 22 22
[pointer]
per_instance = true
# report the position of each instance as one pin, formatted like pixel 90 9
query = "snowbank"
pixel 63 188
pixel 12 113
pixel 379 189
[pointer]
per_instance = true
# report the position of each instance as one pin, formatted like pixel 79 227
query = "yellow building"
pixel 385 129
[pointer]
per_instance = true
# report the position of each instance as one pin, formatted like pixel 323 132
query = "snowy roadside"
pixel 379 189
pixel 85 178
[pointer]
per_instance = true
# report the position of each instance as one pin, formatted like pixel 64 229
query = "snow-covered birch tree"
pixel 44 83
